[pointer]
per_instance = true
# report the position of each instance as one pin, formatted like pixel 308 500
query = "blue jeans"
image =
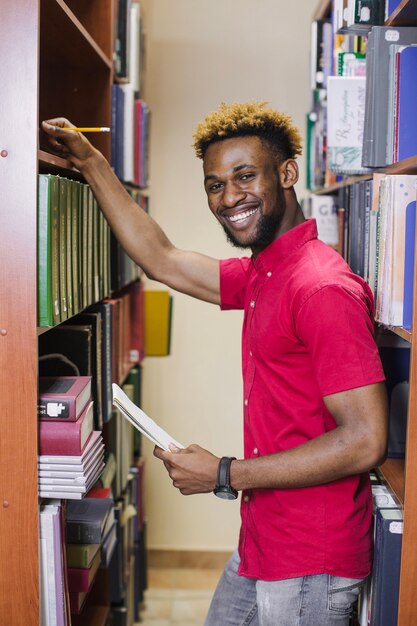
pixel 320 600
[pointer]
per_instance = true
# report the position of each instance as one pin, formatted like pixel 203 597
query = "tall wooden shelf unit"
pixel 400 474
pixel 56 59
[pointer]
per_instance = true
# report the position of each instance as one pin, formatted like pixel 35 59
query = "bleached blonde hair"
pixel 249 118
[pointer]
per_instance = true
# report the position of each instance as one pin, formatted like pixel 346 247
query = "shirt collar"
pixel 279 250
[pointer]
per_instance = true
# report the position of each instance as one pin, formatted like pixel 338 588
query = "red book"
pixel 99 492
pixel 137 330
pixel 77 600
pixel 81 578
pixel 66 438
pixel 63 398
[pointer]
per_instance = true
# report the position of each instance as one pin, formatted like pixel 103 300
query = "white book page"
pixel 141 421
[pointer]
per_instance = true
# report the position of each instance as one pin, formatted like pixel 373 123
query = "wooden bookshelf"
pixel 56 59
pixel 19 570
pixel 399 474
pixel 392 472
pixel 75 74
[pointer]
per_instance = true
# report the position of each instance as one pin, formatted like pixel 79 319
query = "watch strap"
pixel 223 488
pixel 223 471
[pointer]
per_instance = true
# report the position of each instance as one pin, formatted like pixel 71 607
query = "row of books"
pixel 103 342
pixel 73 245
pixel 373 223
pixel 129 48
pixel 357 16
pixel 333 56
pixel 362 116
pixel 378 604
pixel 72 455
pixel 92 556
pixel 79 261
pixel 389 124
pixel 130 135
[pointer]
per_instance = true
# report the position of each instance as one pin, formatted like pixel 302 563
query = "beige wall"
pixel 199 53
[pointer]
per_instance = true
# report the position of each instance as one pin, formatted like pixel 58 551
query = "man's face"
pixel 241 179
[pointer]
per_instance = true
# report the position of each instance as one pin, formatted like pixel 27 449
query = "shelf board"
pixel 405 14
pixel 322 10
pixel 401 332
pixel 48 158
pixel 53 164
pixel 350 180
pixel 393 474
pixel 64 40
pixel 407 166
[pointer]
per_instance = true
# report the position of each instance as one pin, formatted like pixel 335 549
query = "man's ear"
pixel 288 172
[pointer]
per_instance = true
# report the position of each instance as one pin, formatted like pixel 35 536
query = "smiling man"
pixel 314 405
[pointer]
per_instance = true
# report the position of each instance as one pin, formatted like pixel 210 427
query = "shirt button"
pixel 245 498
pixel 255 450
pixel 252 303
pixel 250 353
pixel 246 402
pixel 269 274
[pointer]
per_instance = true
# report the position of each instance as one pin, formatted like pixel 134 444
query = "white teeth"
pixel 241 216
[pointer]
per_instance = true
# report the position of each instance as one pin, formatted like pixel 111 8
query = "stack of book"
pixel 130 135
pixel 74 249
pixel 91 540
pixel 54 605
pixel 378 605
pixel 394 280
pixel 390 128
pixel 70 450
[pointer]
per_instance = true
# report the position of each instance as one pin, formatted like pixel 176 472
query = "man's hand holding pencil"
pixel 67 141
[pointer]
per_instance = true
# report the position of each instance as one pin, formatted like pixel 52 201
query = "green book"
pixel 68 248
pixel 45 307
pixel 84 247
pixel 89 248
pixel 75 190
pixel 81 554
pixel 56 295
pixel 63 247
pixel 95 250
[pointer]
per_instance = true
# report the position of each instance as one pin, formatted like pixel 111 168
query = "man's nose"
pixel 232 194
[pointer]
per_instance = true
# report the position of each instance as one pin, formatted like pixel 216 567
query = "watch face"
pixel 225 493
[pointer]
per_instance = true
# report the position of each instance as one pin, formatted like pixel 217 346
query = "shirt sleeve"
pixel 233 283
pixel 336 326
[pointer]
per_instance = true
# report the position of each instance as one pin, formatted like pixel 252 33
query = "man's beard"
pixel 265 233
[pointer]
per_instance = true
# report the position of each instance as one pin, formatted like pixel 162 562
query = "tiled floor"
pixel 178 597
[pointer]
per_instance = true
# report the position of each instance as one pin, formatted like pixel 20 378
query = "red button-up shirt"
pixel 307 333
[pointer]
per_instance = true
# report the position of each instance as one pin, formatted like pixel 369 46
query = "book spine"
pixel 79 532
pixel 45 312
pixel 57 409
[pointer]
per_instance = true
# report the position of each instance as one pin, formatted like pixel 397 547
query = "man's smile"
pixel 240 218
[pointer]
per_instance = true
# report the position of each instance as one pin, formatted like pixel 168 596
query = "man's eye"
pixel 215 187
pixel 246 177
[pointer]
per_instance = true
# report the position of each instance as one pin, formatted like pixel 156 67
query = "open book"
pixel 141 421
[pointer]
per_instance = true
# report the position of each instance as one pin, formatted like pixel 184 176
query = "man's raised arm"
pixel 144 241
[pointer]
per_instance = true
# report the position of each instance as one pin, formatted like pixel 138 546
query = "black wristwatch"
pixel 223 488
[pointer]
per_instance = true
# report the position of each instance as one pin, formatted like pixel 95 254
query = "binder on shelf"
pixel 158 322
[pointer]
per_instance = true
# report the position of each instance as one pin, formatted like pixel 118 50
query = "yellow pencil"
pixel 89 129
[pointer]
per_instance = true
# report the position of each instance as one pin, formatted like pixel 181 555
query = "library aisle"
pixel 178 596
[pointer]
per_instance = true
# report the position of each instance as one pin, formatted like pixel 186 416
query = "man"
pixel 315 413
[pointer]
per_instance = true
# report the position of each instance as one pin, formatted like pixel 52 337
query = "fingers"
pixel 55 125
